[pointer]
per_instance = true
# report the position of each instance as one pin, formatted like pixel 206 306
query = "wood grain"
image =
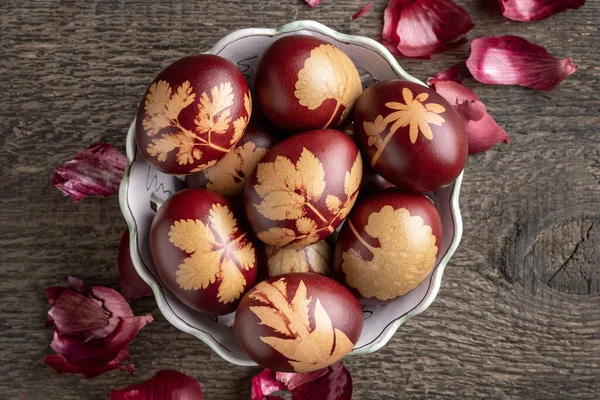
pixel 518 315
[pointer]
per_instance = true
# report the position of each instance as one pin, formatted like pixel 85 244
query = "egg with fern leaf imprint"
pixel 194 112
pixel 303 188
pixel 298 322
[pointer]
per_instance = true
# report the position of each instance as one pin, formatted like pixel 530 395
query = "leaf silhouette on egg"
pixel 313 258
pixel 309 231
pixel 239 125
pixel 289 190
pixel 406 254
pixel 351 185
pixel 277 236
pixel 328 73
pixel 214 253
pixel 333 203
pixel 414 113
pixel 214 114
pixel 286 188
pixel 162 107
pixel 162 146
pixel 353 177
pixel 307 348
pixel 374 130
pixel 202 167
pixel 228 177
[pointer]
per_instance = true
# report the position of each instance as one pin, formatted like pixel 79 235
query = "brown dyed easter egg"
pixel 304 83
pixel 228 177
pixel 388 245
pixel 194 112
pixel 298 322
pixel 303 188
pixel 315 258
pixel 201 252
pixel 411 135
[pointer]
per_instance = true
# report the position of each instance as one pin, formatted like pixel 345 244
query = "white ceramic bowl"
pixel 142 187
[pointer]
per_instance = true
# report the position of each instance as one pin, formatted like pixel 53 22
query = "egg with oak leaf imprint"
pixel 410 135
pixel 202 252
pixel 303 188
pixel 228 177
pixel 304 83
pixel 388 245
pixel 194 112
pixel 298 322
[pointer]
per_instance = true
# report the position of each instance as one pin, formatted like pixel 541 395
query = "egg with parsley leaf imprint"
pixel 202 252
pixel 304 83
pixel 303 188
pixel 298 322
pixel 194 112
pixel 228 177
pixel 410 135
pixel 388 245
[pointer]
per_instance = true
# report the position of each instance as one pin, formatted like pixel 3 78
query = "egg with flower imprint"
pixel 388 245
pixel 303 188
pixel 202 252
pixel 304 83
pixel 228 177
pixel 298 322
pixel 410 135
pixel 194 112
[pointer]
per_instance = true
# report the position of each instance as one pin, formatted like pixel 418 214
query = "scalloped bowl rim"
pixel 391 328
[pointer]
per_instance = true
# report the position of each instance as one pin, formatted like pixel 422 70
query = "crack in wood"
pixel 536 255
pixel 563 266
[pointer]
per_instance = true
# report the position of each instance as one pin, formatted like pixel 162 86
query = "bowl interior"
pixel 143 187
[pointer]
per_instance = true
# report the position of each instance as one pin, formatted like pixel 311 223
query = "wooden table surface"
pixel 518 313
